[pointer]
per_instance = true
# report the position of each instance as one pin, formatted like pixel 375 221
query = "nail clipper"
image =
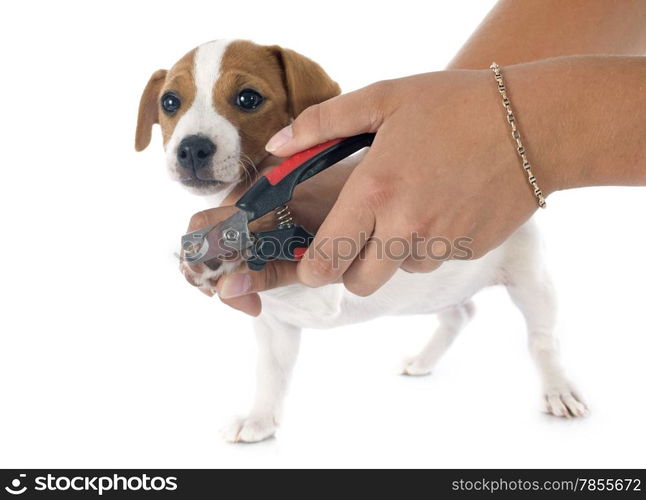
pixel 271 192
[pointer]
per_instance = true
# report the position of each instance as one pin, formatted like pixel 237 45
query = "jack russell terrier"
pixel 217 108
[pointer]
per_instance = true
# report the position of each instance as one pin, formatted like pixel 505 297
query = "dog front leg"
pixel 278 345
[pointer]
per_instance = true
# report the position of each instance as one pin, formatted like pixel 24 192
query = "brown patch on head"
pixel 148 109
pixel 246 65
pixel 178 80
pixel 288 82
pixel 306 82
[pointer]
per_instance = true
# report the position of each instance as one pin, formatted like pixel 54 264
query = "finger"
pixel 210 217
pixel 248 304
pixel 428 255
pixel 275 274
pixel 338 242
pixel 342 116
pixel 378 262
pixel 420 265
pixel 198 221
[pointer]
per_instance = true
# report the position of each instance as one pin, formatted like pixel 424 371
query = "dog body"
pixel 217 107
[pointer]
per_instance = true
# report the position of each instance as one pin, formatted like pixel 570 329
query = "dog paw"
pixel 564 402
pixel 205 276
pixel 250 430
pixel 416 366
pixel 199 275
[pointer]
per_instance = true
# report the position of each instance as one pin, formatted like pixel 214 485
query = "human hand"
pixel 236 285
pixel 442 169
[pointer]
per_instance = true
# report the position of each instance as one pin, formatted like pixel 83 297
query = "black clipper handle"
pixel 276 188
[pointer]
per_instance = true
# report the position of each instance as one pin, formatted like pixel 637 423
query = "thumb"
pixel 275 274
pixel 240 290
pixel 342 116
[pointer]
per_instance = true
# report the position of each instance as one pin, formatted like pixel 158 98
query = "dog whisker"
pixel 249 168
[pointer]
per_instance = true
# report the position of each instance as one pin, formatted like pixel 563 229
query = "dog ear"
pixel 305 81
pixel 149 109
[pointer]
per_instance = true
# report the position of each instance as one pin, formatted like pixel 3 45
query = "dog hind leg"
pixel 533 293
pixel 452 321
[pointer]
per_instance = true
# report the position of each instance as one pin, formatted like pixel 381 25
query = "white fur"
pixel 203 119
pixel 517 264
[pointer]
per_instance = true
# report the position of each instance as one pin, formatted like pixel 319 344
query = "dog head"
pixel 220 104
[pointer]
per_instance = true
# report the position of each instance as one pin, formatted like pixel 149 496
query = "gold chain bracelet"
pixel 516 135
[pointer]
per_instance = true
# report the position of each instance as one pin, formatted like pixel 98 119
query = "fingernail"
pixel 280 138
pixel 235 285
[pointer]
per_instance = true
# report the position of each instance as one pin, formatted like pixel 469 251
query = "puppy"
pixel 217 107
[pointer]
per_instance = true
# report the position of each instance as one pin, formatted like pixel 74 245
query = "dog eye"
pixel 248 99
pixel 170 102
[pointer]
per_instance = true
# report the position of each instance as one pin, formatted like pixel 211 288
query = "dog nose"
pixel 195 152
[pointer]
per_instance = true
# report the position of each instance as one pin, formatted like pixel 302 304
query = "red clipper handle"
pixel 276 188
pixel 295 161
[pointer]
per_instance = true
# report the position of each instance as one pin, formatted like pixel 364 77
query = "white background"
pixel 109 359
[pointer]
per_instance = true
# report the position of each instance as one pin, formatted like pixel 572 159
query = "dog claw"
pixel 249 430
pixel 565 403
pixel 415 367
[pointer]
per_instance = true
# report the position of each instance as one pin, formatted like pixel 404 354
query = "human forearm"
pixel 583 119
pixel 517 31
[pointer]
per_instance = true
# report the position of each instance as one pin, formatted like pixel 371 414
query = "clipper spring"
pixel 284 217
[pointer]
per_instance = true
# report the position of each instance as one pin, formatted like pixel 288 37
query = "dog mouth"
pixel 195 183
pixel 208 179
